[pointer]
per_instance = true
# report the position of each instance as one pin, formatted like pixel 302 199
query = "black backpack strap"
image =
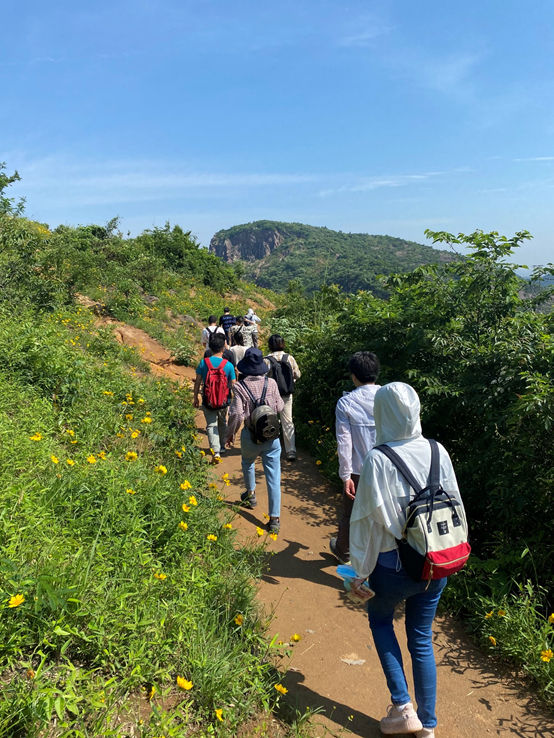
pixel 401 466
pixel 435 472
pixel 285 358
pixel 264 391
pixel 248 392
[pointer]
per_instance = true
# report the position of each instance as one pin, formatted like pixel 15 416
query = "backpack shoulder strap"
pixel 435 472
pixel 285 358
pixel 223 363
pixel 264 391
pixel 209 363
pixel 248 392
pixel 400 465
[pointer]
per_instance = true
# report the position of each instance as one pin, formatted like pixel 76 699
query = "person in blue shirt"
pixel 226 321
pixel 216 420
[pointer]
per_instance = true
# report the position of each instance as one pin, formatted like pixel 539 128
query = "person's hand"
pixel 230 442
pixel 196 402
pixel 363 594
pixel 349 489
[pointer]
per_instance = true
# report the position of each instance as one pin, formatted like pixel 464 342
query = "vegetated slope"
pixel 274 253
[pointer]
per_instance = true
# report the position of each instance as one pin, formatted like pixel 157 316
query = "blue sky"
pixel 379 117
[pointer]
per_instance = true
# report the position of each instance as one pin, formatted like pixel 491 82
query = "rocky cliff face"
pixel 247 245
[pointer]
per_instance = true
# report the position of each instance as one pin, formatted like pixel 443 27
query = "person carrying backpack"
pixel 211 329
pixel 226 321
pixel 218 377
pixel 284 370
pixel 387 512
pixel 257 401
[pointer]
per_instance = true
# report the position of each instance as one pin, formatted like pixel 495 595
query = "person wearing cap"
pixel 254 370
pixel 225 322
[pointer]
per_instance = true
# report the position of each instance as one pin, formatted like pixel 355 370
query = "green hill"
pixel 274 253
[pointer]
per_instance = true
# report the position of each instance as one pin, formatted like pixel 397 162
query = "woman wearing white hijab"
pixel 376 523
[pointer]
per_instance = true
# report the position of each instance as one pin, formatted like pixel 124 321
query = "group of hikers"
pixel 398 488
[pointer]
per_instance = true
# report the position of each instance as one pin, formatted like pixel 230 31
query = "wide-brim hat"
pixel 252 364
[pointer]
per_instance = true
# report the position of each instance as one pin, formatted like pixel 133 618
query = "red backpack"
pixel 216 386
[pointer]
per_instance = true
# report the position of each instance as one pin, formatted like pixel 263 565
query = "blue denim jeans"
pixel 270 451
pixel 392 587
pixel 216 425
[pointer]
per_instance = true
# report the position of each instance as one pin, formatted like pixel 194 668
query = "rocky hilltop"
pixel 273 253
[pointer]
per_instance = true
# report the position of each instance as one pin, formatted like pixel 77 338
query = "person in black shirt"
pixel 226 321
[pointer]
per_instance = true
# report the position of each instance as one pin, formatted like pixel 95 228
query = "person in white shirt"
pixel 277 348
pixel 355 430
pixel 251 318
pixel 211 328
pixel 376 525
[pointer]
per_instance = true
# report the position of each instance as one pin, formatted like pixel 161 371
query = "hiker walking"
pixel 257 401
pixel 284 370
pixel 210 330
pixel 355 430
pixel 226 321
pixel 239 349
pixel 376 529
pixel 251 318
pixel 218 376
pixel 248 332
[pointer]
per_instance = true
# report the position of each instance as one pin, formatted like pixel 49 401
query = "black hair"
pixel 240 320
pixel 217 342
pixel 212 319
pixel 364 366
pixel 276 342
pixel 238 338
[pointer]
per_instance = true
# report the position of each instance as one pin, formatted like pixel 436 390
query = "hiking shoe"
pixel 274 525
pixel 336 553
pixel 425 733
pixel 248 500
pixel 291 456
pixel 400 719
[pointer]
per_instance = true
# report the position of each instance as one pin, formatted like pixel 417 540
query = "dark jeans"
pixel 343 538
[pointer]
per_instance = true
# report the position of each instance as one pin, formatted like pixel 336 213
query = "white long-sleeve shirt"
pixel 355 429
pixel 383 494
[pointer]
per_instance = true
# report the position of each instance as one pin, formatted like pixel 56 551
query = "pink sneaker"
pixel 400 719
pixel 425 733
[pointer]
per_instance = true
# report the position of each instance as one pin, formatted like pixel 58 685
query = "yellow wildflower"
pixel 295 638
pixel 489 615
pixel 183 526
pixel 179 454
pixel 161 469
pixel 259 531
pixel 91 459
pixel 310 422
pixel 140 401
pixel 186 508
pixel 101 454
pixel 547 655
pixel 184 684
pixel 160 575
pixel 131 492
pixel 318 463
pixel 71 433
pixel 492 639
pixel 152 693
pixel 225 476
pixel 183 449
pixel 36 437
pixel 281 689
pixel 212 486
pixel 129 416
pixel 70 462
pixel 192 501
pixel 202 453
pixel 31 673
pixel 218 713
pixel 551 619
pixel 131 456
pixel 266 516
pixel 146 420
pixel 108 393
pixel 211 537
pixel 186 484
pixel 227 482
pixel 273 536
pixel 228 526
pixel 501 613
pixel 219 460
pixel 55 459
pixel 134 434
pixel 73 442
pixel 239 619
pixel 16 600
pixel 120 435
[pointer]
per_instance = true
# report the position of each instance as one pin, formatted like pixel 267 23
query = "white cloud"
pixel 361 39
pixel 375 183
pixel 537 158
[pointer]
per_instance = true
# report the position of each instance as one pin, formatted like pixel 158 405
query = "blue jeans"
pixel 270 451
pixel 392 587
pixel 216 425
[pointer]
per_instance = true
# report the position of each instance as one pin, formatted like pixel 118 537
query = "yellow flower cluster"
pixel 36 437
pixel 211 537
pixel 161 469
pixel 16 600
pixel 183 525
pixel 186 485
pixel 160 575
pixel 547 655
pixel 131 456
pixel 281 689
pixel 182 683
pixel 239 619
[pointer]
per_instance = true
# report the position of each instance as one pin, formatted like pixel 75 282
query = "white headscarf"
pixel 396 412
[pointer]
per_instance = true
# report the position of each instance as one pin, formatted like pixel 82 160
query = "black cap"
pixel 226 310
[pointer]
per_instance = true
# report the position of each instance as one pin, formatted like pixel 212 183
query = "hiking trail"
pixel 477 695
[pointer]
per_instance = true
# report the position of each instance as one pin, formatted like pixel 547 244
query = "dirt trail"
pixel 476 696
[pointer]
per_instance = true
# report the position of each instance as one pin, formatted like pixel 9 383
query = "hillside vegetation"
pixel 273 253
pixel 482 361
pixel 127 608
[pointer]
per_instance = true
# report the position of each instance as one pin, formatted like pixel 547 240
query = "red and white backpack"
pixel 434 541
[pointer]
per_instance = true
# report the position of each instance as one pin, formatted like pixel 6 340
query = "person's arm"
pixel 294 366
pixel 344 450
pixel 237 412
pixel 195 392
pixel 255 339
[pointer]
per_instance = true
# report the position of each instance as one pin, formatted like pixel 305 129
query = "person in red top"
pixel 254 369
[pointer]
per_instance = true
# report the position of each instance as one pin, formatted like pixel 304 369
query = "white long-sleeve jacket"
pixel 383 494
pixel 355 428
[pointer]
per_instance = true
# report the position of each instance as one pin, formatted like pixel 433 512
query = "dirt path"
pixel 476 696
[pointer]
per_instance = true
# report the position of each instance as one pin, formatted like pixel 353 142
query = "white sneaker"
pixel 401 719
pixel 425 733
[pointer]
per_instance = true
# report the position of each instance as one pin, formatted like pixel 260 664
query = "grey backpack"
pixel 264 421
